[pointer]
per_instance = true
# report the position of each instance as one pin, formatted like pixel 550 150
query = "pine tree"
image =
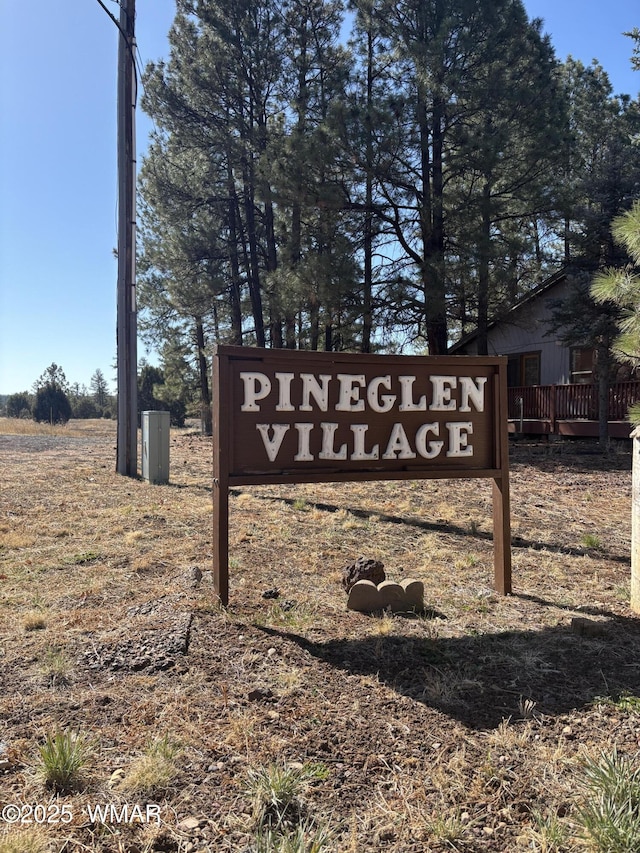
pixel 635 58
pixel 472 96
pixel 19 405
pixel 51 402
pixel 99 388
pixel 505 141
pixel 304 169
pixel 299 194
pixel 212 102
pixel 621 287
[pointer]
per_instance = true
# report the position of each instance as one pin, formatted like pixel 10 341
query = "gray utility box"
pixel 155 447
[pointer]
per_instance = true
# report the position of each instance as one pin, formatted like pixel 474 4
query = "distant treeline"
pixel 54 400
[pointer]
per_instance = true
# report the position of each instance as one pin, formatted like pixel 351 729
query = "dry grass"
pixel 460 729
pixel 17 426
pixel 152 772
pixel 25 840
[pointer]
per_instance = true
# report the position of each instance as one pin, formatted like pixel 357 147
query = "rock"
pixel 385 834
pixel 366 597
pixel 5 762
pixel 390 594
pixel 413 593
pixel 274 592
pixel 362 570
pixel 189 824
pixel 116 778
pixel 363 596
pixel 259 694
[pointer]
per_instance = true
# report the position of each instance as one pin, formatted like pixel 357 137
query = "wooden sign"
pixel 283 416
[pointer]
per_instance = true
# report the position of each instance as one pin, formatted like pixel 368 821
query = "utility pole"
pixel 127 441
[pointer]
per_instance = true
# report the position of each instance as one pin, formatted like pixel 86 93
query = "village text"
pixel 353 393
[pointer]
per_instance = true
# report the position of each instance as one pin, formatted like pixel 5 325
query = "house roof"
pixel 533 294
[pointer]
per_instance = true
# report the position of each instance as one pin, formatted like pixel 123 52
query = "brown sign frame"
pixel 440 416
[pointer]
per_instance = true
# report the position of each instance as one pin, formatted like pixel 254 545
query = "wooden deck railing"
pixel 570 402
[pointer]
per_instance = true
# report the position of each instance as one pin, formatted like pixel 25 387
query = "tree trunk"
pixel 367 319
pixel 328 338
pixel 431 222
pixel 483 271
pixel 235 302
pixel 314 323
pixel 206 426
pixel 254 267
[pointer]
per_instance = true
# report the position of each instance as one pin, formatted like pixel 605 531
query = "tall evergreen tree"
pixel 635 58
pixel 19 405
pixel 473 96
pixel 300 194
pixel 506 141
pixel 99 388
pixel 51 402
pixel 621 287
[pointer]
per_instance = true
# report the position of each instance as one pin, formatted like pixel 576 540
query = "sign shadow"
pixel 482 679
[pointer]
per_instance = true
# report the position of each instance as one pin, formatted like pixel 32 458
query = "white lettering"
pixel 251 391
pixel 273 445
pixel 407 404
pixel 304 453
pixel 377 403
pixel 398 444
pixel 284 385
pixel 328 451
pixel 442 386
pixel 98 813
pixel 123 814
pixel 458 438
pixel 428 443
pixel 433 448
pixel 153 809
pixel 359 452
pixel 349 399
pixel 474 391
pixel 312 388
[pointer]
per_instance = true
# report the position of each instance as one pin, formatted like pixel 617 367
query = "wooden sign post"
pixel 283 416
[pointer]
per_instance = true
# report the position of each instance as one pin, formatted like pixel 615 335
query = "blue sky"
pixel 58 187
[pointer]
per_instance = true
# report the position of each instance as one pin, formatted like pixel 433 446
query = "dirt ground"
pixel 462 727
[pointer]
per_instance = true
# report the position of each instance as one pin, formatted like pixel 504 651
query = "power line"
pixel 130 42
pixel 116 21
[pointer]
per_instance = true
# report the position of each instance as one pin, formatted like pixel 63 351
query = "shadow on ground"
pixel 577 455
pixel 481 679
pixel 443 527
